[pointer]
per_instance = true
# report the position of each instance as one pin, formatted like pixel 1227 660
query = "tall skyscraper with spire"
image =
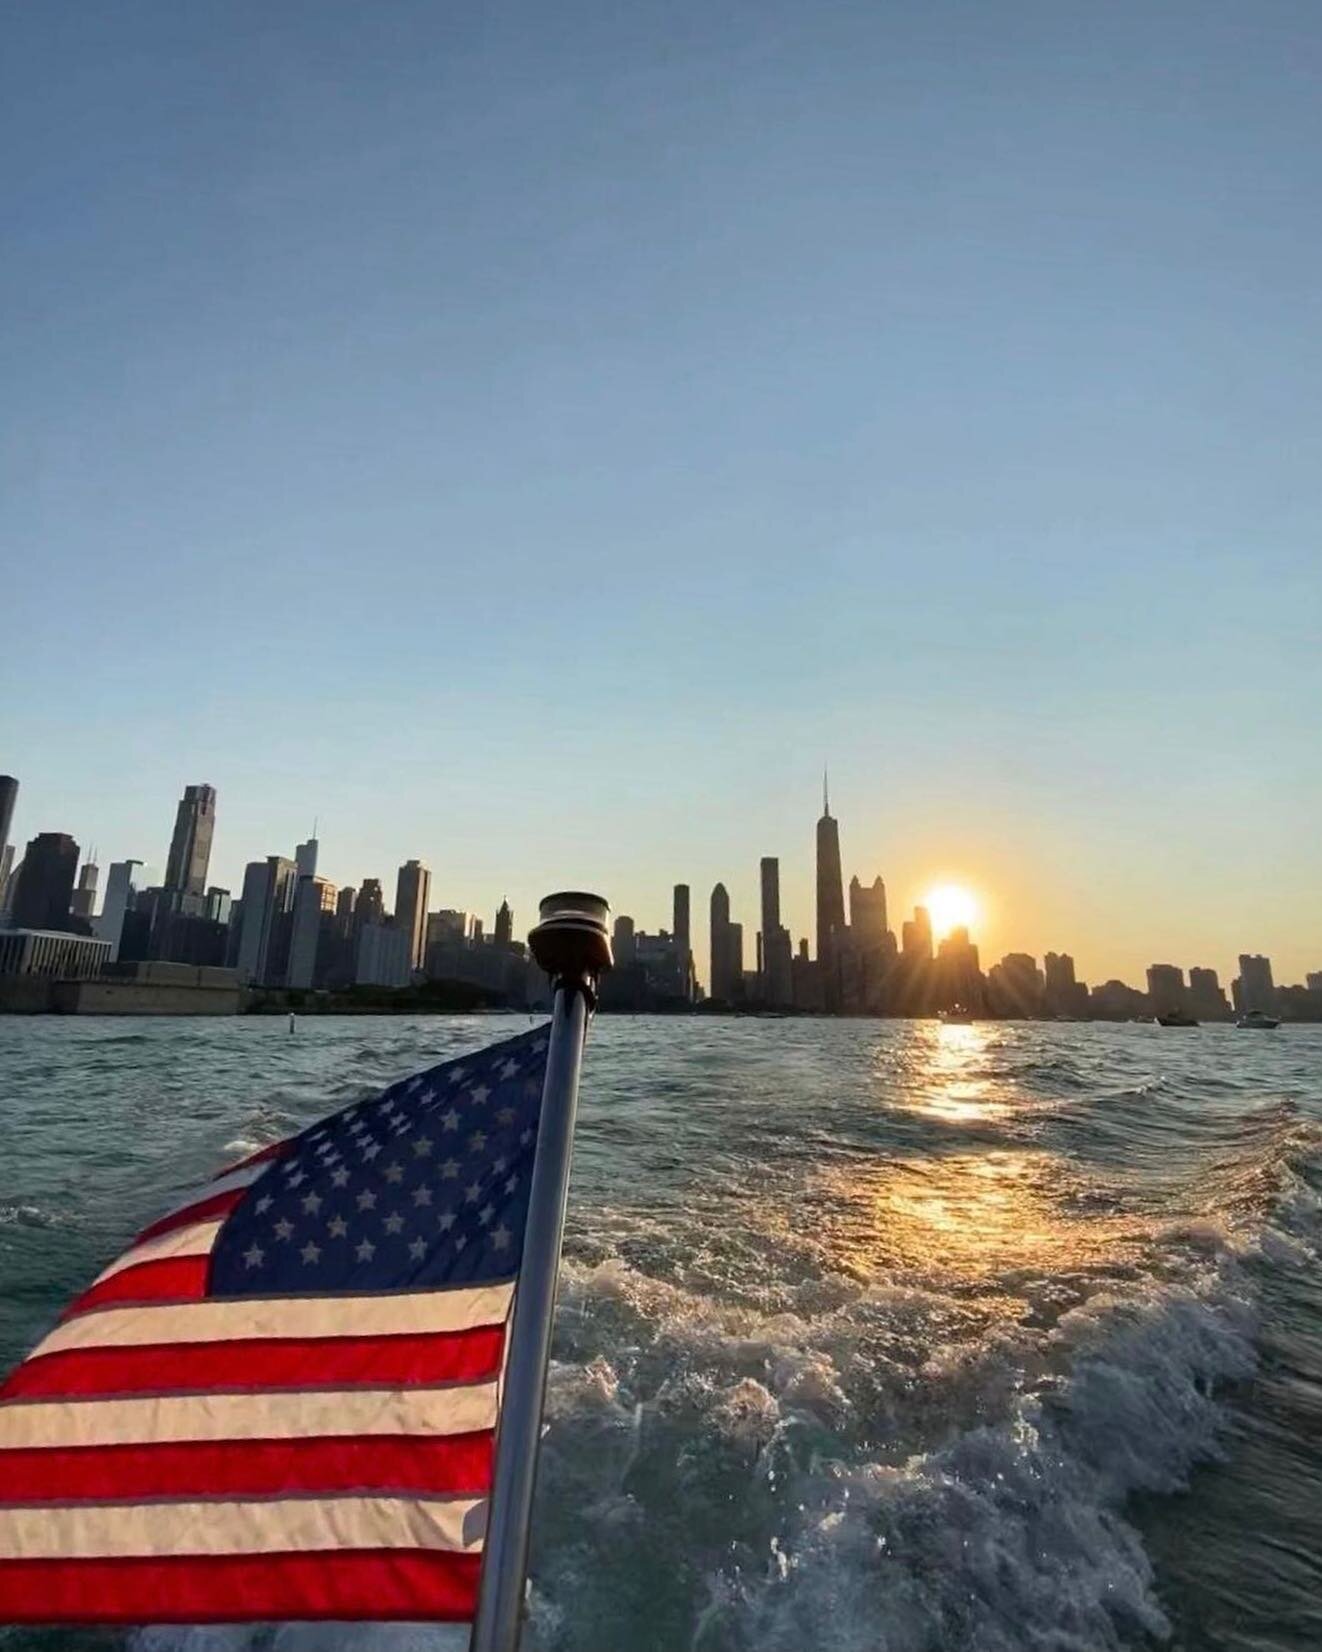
pixel 830 893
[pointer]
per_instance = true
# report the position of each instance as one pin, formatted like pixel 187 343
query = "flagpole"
pixel 572 944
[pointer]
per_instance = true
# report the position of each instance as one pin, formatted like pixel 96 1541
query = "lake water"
pixel 873 1336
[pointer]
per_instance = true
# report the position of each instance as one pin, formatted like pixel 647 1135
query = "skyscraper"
pixel 830 899
pixel 305 857
pixel 8 797
pixel 504 925
pixel 623 949
pixel 412 891
pixel 1256 990
pixel 45 882
pixel 268 893
pixel 918 935
pixel 124 881
pixel 190 847
pixel 867 912
pixel 722 985
pixel 370 907
pixel 314 903
pixel 777 948
pixel 770 895
pixel 683 939
pixel 1166 988
pixel 83 902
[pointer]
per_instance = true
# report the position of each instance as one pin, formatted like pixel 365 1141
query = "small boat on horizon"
pixel 955 1016
pixel 1258 1019
pixel 1176 1018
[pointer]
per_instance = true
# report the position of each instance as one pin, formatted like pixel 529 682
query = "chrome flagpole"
pixel 572 944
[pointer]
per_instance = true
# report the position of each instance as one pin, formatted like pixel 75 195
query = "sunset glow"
pixel 950 906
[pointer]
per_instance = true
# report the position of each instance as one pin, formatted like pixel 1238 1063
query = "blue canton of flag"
pixel 425 1185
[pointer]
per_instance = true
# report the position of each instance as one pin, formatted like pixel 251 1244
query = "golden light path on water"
pixel 970 1215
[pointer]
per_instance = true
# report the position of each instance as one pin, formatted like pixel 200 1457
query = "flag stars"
pixel 284 1229
pixel 478 1094
pixel 450 1170
pixel 366 1199
pixel 311 1252
pixel 312 1203
pixel 510 1069
pixel 253 1255
pixel 372 1149
pixel 477 1141
pixel 506 1116
pixel 421 1195
pixel 365 1251
pixel 417 1249
pixel 263 1204
pixel 393 1173
pixel 340 1177
pixel 445 1221
pixel 511 1184
pixel 472 1193
pixel 394 1223
pixel 525 1138
pixel 337 1227
pixel 422 1147
pixel 450 1120
pixel 500 1237
pixel 487 1211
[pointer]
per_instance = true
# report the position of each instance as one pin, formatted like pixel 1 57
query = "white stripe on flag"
pixel 302 1524
pixel 222 1319
pixel 195 1240
pixel 283 1415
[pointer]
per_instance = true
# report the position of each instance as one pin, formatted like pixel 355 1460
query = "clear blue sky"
pixel 535 437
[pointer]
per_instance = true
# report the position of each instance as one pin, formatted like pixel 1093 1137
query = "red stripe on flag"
pixel 177 1278
pixel 276 1150
pixel 204 1210
pixel 259 1363
pixel 349 1585
pixel 458 1464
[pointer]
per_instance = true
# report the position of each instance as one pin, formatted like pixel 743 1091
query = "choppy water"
pixel 874 1336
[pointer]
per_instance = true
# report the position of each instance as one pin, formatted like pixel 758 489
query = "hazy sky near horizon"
pixel 535 438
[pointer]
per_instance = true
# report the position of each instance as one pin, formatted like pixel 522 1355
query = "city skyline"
pixel 872 908
pixel 540 483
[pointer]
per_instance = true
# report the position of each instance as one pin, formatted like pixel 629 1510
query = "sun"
pixel 951 906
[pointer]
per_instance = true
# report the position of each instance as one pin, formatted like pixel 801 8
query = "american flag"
pixel 280 1402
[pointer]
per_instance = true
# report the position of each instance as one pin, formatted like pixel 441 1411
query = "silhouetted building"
pixel 218 905
pixel 371 904
pixel 1062 994
pixel 384 957
pixel 622 941
pixel 476 931
pixel 504 935
pixel 1313 980
pixel 8 798
pixel 1114 1001
pixel 956 976
pixel 725 977
pixel 190 846
pixel 54 954
pixel 344 904
pixel 1254 989
pixel 917 935
pixel 867 912
pixel 412 895
pixel 1206 999
pixel 447 928
pixel 1016 987
pixel 313 913
pixel 268 894
pixel 683 936
pixel 807 977
pixel 45 883
pixel 774 965
pixel 6 873
pixel 82 903
pixel 1166 989
pixel 123 885
pixel 830 900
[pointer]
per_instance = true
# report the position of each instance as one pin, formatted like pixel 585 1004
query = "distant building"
pixel 775 965
pixel 1016 987
pixel 305 858
pixel 623 947
pixel 218 905
pixel 313 912
pixel 1166 989
pixel 807 978
pixel 476 931
pixel 957 980
pixel 917 935
pixel 371 904
pixel 82 903
pixel 8 798
pixel 1206 999
pixel 724 977
pixel 344 903
pixel 867 912
pixel 190 846
pixel 830 899
pixel 384 956
pixel 504 935
pixel 1254 988
pixel 447 927
pixel 45 883
pixel 680 926
pixel 1313 980
pixel 268 895
pixel 412 895
pixel 124 882
pixel 1114 1001
pixel 6 873
pixel 52 953
pixel 1062 994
